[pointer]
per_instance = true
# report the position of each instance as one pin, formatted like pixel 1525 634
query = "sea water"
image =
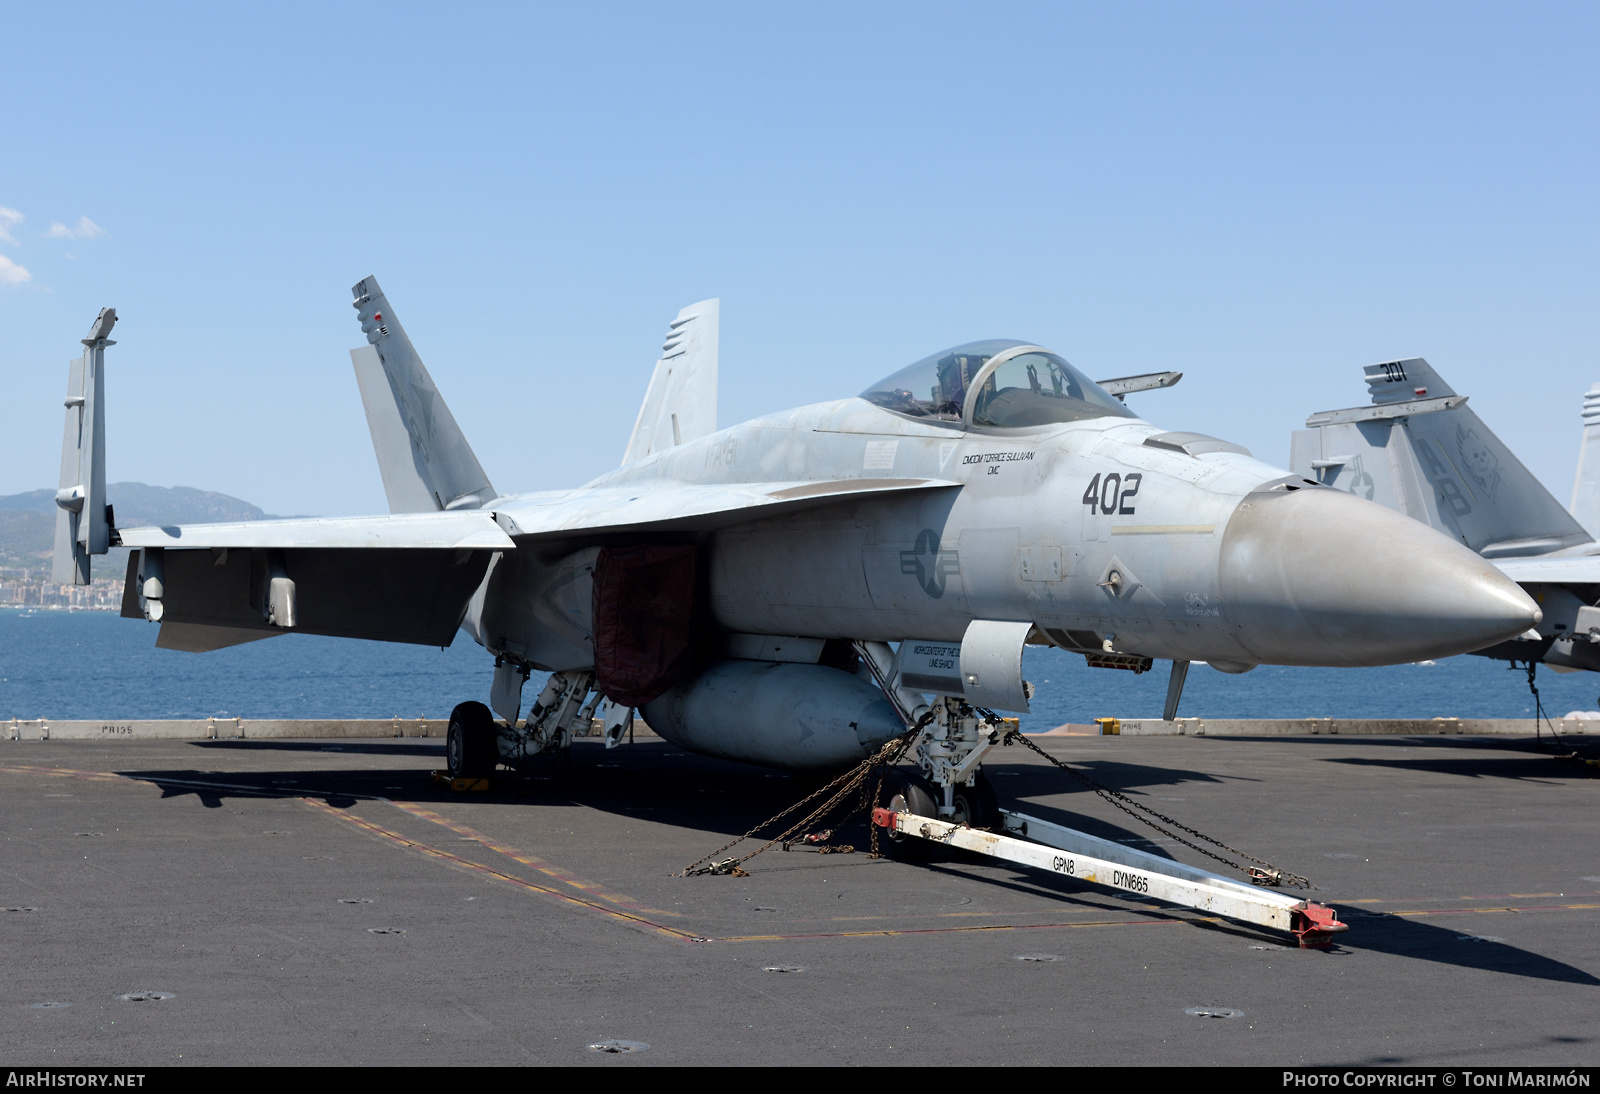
pixel 90 665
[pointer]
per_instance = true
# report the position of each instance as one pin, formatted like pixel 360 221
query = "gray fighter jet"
pixel 1420 450
pixel 799 589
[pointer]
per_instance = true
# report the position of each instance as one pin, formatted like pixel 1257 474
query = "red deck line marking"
pixel 548 869
pixel 523 883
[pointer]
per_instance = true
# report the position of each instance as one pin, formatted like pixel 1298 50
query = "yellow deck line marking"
pixel 674 934
pixel 1495 911
pixel 1436 899
pixel 598 891
pixel 165 780
pixel 60 772
pixel 488 871
pixel 1165 921
pixel 594 889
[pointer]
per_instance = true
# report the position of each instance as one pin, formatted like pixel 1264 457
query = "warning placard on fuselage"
pixel 931 666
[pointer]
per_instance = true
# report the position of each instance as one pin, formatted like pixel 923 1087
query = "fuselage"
pixel 1107 534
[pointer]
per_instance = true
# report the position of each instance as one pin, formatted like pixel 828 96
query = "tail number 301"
pixel 1112 493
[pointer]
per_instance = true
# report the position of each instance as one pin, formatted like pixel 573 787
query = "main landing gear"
pixel 476 743
pixel 471 748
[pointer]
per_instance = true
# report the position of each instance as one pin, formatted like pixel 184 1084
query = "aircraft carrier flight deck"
pixel 327 902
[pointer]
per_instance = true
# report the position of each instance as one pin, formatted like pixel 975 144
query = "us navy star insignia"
pixel 930 565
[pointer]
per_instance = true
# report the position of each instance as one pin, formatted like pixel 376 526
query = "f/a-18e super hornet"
pixel 799 589
pixel 1420 450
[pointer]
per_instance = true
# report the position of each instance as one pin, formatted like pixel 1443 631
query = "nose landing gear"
pixel 975 804
pixel 949 783
pixel 907 792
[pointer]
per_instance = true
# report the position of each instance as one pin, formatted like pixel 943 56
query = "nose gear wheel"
pixel 908 792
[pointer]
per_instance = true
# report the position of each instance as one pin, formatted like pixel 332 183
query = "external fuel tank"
pixel 797 717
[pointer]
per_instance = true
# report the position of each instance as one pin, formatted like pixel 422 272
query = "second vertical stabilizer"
pixel 681 403
pixel 1421 450
pixel 1586 486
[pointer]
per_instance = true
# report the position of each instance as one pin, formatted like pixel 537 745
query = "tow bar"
pixel 1060 850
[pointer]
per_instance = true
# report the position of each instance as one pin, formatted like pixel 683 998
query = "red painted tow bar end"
pixel 1315 925
pixel 883 818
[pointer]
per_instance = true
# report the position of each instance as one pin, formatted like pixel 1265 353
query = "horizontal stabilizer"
pixel 423 456
pixel 1577 570
pixel 1384 412
pixel 681 402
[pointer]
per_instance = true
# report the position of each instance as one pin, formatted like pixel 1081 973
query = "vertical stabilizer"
pixel 423 456
pixel 82 527
pixel 681 404
pixel 1586 486
pixel 1421 450
pixel 1402 381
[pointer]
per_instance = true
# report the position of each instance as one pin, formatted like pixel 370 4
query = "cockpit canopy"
pixel 1001 383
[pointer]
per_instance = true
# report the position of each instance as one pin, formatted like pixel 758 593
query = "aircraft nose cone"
pixel 1319 577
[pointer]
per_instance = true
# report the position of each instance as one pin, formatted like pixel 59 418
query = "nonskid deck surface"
pixel 326 902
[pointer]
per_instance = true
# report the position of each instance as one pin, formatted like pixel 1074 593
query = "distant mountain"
pixel 27 521
pixel 26 537
pixel 136 504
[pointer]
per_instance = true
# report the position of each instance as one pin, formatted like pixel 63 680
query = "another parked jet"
pixel 1420 450
pixel 799 589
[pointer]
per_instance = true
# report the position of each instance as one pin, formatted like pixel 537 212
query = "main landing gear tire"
pixel 907 792
pixel 470 746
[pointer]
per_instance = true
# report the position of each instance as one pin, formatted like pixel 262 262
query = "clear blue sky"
pixel 1266 196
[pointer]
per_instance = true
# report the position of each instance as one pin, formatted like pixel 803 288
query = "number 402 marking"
pixel 1113 495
